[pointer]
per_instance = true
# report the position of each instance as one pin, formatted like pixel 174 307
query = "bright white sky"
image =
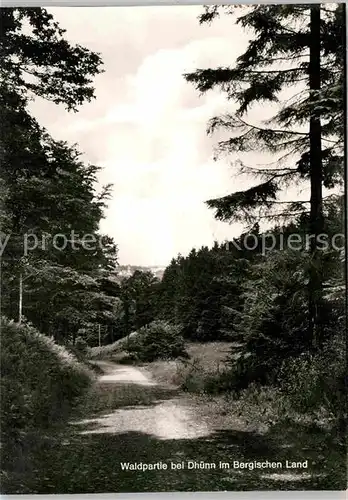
pixel 146 127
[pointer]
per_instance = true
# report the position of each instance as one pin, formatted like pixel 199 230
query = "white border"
pixel 231 495
pixel 132 3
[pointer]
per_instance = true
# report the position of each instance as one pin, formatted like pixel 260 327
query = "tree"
pixel 283 54
pixel 316 217
pixel 48 190
pixel 201 292
pixel 138 293
pixel 274 313
pixel 39 61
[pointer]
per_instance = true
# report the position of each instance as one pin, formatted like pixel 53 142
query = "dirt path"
pixel 128 418
pixel 169 419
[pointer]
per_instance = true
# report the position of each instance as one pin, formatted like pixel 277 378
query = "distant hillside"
pixel 126 271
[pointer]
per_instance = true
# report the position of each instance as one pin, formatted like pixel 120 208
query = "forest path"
pixel 169 416
pixel 129 418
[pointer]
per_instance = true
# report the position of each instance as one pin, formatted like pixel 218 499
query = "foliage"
pixel 201 291
pixel 49 195
pixel 37 59
pixel 138 295
pixel 290 303
pixel 274 317
pixel 227 292
pixel 40 380
pixel 81 346
pixel 310 389
pixel 278 58
pixel 274 360
pixel 318 382
pixel 50 192
pixel 158 340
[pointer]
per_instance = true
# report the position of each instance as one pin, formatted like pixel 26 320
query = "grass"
pixel 256 408
pixel 205 362
pixel 70 462
pixel 248 428
pixel 109 350
pixel 262 411
pixel 41 383
pixel 211 354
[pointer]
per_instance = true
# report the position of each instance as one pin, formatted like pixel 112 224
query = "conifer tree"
pixel 292 47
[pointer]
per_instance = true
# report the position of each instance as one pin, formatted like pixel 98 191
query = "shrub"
pixel 158 340
pixel 40 380
pixel 274 318
pixel 79 349
pixel 274 321
pixel 196 375
pixel 81 345
pixel 263 405
pixel 317 382
pixel 309 388
pixel 191 376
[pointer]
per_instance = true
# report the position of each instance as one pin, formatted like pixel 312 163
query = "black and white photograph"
pixel 172 248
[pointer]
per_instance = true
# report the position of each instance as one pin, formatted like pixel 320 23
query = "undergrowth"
pixel 41 382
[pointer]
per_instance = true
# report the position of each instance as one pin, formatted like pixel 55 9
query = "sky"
pixel 147 126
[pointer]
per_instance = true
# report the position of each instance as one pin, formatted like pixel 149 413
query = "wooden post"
pixel 99 335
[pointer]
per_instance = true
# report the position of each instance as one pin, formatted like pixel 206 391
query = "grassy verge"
pixel 110 350
pixel 41 383
pixel 277 413
pixel 257 408
pixel 205 363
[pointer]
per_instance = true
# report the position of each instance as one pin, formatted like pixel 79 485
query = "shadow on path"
pixel 127 422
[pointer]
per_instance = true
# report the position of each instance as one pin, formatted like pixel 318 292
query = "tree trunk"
pixel 126 316
pixel 316 178
pixel 20 299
